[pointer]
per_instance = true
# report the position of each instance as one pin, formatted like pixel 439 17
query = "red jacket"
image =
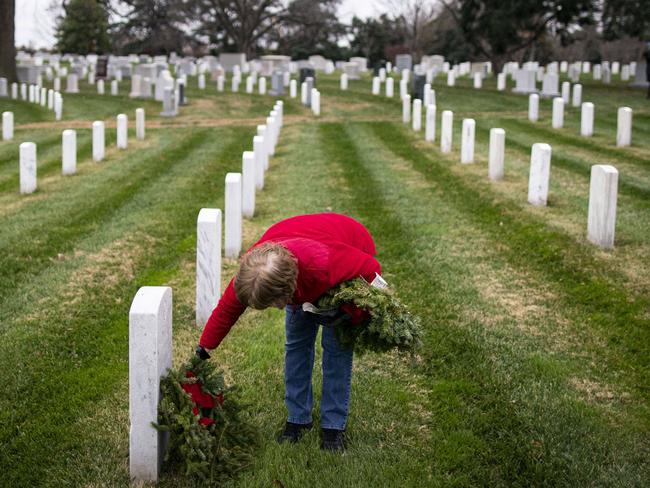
pixel 330 248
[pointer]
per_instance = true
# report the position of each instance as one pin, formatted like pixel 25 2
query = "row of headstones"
pixel 27 150
pixel 604 178
pixel 51 99
pixel 150 315
pixel 623 121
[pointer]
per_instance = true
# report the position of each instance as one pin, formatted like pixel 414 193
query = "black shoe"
pixel 294 432
pixel 332 440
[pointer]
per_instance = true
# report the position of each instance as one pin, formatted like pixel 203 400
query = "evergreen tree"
pixel 497 29
pixel 83 27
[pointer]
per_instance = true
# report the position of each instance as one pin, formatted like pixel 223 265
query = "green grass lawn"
pixel 536 357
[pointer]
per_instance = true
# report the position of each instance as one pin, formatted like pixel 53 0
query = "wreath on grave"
pixel 209 437
pixel 389 324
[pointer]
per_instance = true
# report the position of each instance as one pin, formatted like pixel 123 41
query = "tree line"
pixel 494 30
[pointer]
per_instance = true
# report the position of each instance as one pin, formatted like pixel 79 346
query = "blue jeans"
pixel 301 330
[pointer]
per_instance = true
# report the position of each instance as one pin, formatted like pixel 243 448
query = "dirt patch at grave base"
pixel 597 393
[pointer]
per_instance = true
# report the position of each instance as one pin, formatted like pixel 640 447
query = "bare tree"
pixel 416 15
pixel 238 24
pixel 7 41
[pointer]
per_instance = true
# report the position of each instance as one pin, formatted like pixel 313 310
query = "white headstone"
pixel 417 114
pixel 208 263
pixel 540 173
pixel 587 119
pixel 426 98
pixel 406 109
pixel 467 141
pixel 122 131
pixel 625 73
pixel 136 81
pixel 201 81
pixel 603 192
pixel 27 152
pixel 496 154
pixel 260 154
pixel 376 85
pixel 248 183
pixel 550 85
pixel 3 87
pixel 7 126
pixel 100 87
pixel 114 87
pixel 50 99
pixel 233 220
pixel 262 132
pixel 566 92
pixel 139 124
pixel 303 93
pixel 249 84
pixel 501 81
pixel 58 105
pixel 430 125
pixel 43 97
pixel 293 88
pixel 533 107
pixel 72 84
pixel 446 131
pixel 23 91
pixel 315 101
pixel 344 81
pixel 478 80
pixel 616 67
pixel 577 95
pixel 14 91
pixel 69 152
pixel 169 103
pixel 150 358
pixel 390 87
pixel 98 140
pixel 451 78
pixel 558 113
pixel 624 127
pixel 221 81
pixel 262 85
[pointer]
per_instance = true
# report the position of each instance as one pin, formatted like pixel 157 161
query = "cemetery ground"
pixel 536 356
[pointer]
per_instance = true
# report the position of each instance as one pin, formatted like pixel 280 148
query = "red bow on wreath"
pixel 202 401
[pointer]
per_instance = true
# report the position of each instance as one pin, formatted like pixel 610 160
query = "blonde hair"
pixel 267 274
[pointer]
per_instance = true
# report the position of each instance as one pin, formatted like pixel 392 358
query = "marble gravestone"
pixel 150 358
pixel 69 152
pixel 540 173
pixel 496 154
pixel 446 134
pixel 27 153
pixel 233 217
pixel 603 193
pixel 467 141
pixel 208 263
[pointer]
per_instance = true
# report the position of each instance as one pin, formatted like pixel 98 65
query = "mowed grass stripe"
pixel 48 162
pixel 85 348
pixel 30 239
pixel 10 150
pixel 585 281
pixel 469 395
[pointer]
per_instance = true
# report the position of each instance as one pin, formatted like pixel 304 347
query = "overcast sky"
pixel 35 24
